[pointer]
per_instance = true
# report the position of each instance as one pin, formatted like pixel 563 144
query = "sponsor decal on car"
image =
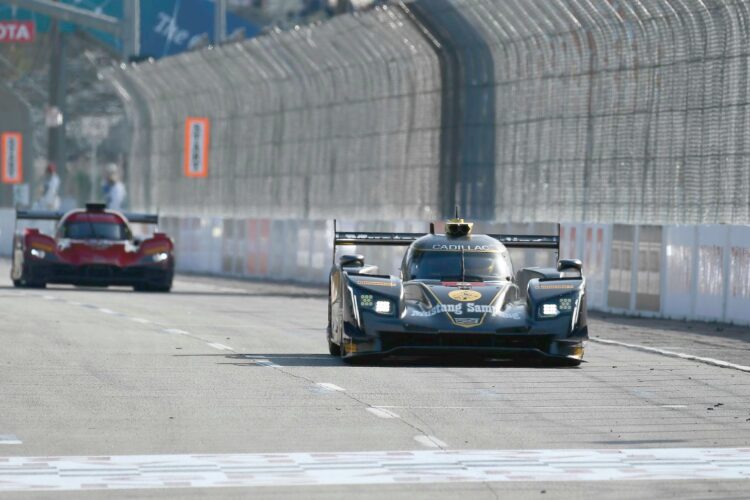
pixel 467 248
pixel 465 295
pixel 470 308
pixel 463 284
pixel 494 310
pixel 456 309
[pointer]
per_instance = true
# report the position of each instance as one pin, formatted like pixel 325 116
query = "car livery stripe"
pixel 375 283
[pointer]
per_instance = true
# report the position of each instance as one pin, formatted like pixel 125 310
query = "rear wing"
pixel 526 241
pixel 344 238
pixel 135 218
pixel 142 218
pixel 379 239
pixel 38 215
pixel 367 238
pixel 540 241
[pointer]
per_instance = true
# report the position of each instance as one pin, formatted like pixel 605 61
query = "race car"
pixel 457 293
pixel 92 247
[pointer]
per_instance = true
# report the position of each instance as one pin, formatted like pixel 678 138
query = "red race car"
pixel 92 247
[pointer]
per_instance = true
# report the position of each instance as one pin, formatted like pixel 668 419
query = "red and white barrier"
pixel 680 272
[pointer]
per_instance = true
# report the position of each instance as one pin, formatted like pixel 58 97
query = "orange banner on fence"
pixel 11 157
pixel 197 141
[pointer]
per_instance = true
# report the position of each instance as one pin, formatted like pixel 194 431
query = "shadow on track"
pixel 290 360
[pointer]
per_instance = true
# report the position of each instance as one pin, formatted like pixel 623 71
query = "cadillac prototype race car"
pixel 91 247
pixel 457 293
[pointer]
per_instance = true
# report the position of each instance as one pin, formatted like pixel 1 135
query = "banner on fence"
pixel 11 152
pixel 197 138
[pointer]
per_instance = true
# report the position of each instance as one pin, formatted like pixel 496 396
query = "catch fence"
pixel 606 111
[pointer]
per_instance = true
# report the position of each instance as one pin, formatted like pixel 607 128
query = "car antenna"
pixel 432 228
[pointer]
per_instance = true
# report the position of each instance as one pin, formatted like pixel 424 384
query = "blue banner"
pixel 168 27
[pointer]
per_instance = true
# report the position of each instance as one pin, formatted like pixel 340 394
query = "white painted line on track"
pixel 382 412
pixel 218 346
pixel 229 289
pixel 330 387
pixel 175 331
pixel 381 467
pixel 106 311
pixel 9 439
pixel 571 406
pixel 141 320
pixel 672 354
pixel 430 441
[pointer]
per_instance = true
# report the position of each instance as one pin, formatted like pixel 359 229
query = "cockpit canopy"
pixel 471 258
pixel 94 226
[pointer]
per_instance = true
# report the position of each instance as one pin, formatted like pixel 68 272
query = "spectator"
pixel 113 188
pixel 50 200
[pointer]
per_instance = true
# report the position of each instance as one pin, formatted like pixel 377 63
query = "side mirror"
pixel 352 260
pixel 568 264
pixel 136 241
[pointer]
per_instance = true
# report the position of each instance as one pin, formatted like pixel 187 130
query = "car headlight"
pixel 553 308
pixel 160 257
pixel 39 254
pixel 549 310
pixel 380 306
pixel 383 307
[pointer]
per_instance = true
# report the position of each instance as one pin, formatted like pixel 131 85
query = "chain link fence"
pixel 341 117
pixel 619 110
pixel 625 111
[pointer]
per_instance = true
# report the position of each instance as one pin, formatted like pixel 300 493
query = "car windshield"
pixel 450 266
pixel 86 230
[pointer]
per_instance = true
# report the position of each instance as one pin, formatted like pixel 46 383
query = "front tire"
pixel 26 284
pixel 152 288
pixel 20 276
pixel 562 362
pixel 333 349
